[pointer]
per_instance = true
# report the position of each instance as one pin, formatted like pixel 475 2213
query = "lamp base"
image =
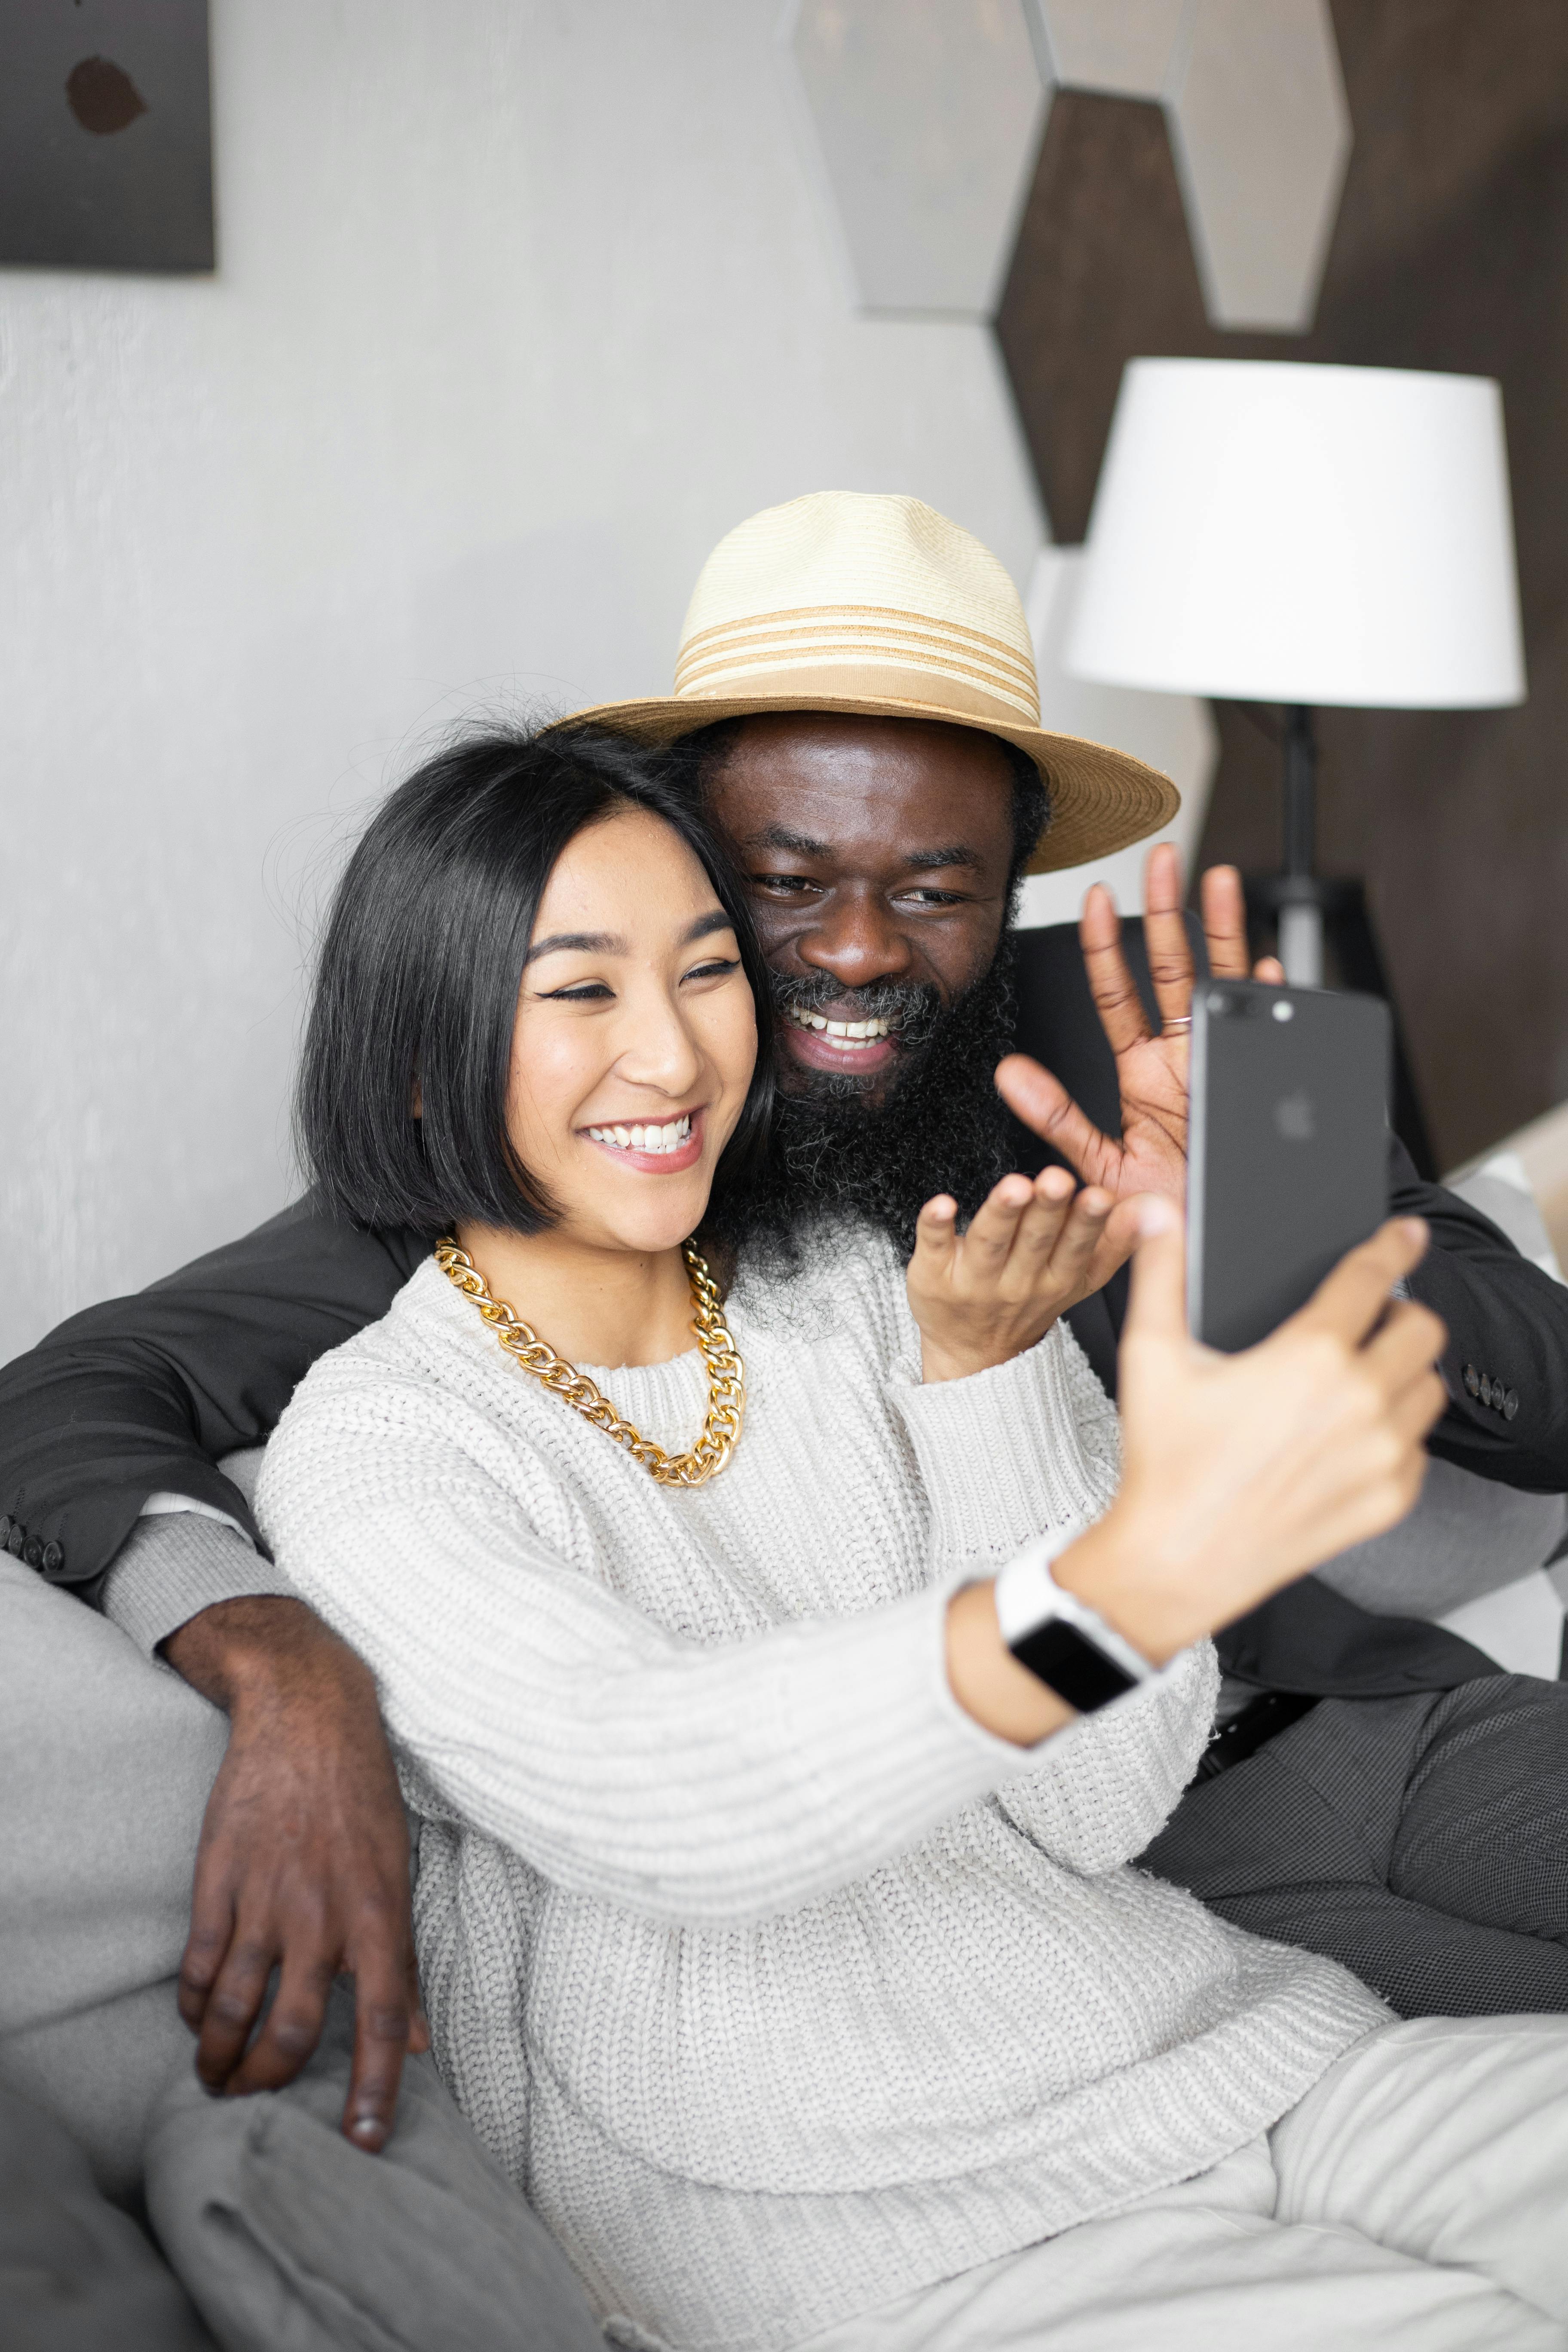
pixel 1320 928
pixel 1301 944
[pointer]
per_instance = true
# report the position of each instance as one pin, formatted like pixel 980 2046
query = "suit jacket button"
pixel 1510 1404
pixel 33 1554
pixel 54 1559
pixel 1473 1379
pixel 5 1530
pixel 15 1540
pixel 1486 1390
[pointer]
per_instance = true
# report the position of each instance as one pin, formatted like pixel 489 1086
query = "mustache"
pixel 941 1126
pixel 913 1008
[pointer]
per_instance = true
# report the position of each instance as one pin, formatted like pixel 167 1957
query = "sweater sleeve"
pixel 1009 1453
pixel 172 1566
pixel 698 1783
pixel 1032 1444
pixel 1108 1785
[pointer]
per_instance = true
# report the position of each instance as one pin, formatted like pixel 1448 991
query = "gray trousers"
pixel 1422 1841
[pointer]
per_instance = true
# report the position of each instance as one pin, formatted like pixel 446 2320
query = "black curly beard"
pixel 941 1127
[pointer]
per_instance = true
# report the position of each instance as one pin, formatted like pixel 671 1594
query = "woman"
pixel 774 1919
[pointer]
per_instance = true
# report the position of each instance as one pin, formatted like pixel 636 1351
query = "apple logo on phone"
pixel 1295 1117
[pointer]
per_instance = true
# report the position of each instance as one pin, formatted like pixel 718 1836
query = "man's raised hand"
pixel 1152 1070
pixel 1030 1251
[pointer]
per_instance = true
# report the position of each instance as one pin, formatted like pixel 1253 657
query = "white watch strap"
pixel 1028 1595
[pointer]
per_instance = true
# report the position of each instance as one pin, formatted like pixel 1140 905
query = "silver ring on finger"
pixel 1181 1021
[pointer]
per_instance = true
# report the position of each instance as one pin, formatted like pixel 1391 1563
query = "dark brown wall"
pixel 1450 252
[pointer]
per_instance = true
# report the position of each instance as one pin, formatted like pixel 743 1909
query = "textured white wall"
pixel 521 303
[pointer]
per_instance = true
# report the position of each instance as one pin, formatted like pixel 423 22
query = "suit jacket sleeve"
pixel 144 1394
pixel 1507 1320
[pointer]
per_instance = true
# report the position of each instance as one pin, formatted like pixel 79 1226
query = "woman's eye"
pixel 590 991
pixel 720 967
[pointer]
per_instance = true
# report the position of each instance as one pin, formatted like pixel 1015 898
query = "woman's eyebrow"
pixel 716 920
pixel 612 943
pixel 585 942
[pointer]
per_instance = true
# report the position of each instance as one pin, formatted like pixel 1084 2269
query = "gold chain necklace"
pixel 726 1373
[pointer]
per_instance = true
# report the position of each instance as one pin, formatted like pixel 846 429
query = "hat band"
pixel 931 660
pixel 804 684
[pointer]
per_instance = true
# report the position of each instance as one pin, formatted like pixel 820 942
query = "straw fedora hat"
pixel 880 607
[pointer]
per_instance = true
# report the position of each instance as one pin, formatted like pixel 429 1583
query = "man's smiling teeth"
pixel 646 1139
pixel 850 1036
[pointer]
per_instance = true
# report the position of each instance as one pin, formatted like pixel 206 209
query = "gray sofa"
pixel 106 1763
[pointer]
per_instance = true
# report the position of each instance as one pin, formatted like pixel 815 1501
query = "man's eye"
pixel 783 886
pixel 932 897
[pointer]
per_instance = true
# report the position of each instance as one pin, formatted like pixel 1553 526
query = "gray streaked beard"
pixel 941 1128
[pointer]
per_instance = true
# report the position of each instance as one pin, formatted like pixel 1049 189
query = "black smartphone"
pixel 1288 1149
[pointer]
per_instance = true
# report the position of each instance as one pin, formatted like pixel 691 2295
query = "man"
pixel 856 685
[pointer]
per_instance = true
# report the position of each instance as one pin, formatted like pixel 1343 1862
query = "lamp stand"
pixel 1314 917
pixel 1300 900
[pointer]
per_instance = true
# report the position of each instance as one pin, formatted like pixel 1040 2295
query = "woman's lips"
pixel 650 1163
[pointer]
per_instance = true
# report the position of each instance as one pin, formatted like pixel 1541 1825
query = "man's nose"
pixel 857 943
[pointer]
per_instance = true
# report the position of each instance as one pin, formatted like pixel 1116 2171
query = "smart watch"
pixel 1061 1641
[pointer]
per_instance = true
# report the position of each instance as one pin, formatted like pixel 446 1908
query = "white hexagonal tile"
pixel 1174 732
pixel 1262 135
pixel 928 115
pixel 1118 47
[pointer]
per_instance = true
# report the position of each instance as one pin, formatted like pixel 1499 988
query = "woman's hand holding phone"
pixel 1242 1472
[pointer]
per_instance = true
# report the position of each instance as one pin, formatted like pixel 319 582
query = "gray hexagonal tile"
pixel 928 114
pixel 1262 135
pixel 1118 47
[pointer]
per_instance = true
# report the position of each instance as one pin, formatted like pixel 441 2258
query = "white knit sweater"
pixel 778 1985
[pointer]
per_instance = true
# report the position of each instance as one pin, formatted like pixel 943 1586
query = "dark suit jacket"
pixel 144 1393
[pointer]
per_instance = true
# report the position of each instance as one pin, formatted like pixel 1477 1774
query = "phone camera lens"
pixel 1284 1010
pixel 1218 1004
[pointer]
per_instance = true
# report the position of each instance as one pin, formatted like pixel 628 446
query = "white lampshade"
pixel 1274 531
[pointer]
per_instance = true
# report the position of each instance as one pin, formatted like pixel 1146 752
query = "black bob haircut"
pixel 420 965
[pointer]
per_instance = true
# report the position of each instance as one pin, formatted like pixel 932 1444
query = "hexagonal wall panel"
pixel 1172 731
pixel 1262 135
pixel 928 115
pixel 1121 48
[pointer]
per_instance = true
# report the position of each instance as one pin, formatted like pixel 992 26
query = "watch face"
pixel 1072 1665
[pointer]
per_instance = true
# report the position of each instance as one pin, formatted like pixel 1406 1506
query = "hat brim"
pixel 1101 800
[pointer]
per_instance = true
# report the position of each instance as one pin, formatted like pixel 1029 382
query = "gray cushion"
pixel 102 2072
pixel 290 2240
pixel 1466 1536
pixel 76 2275
pixel 106 1761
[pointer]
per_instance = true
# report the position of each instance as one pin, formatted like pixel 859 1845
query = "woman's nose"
pixel 660 1051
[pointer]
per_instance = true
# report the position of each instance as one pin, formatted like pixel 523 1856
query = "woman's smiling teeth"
pixel 850 1036
pixel 646 1139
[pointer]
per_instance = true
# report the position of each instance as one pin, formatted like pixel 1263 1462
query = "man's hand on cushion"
pixel 1152 1071
pixel 303 1863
